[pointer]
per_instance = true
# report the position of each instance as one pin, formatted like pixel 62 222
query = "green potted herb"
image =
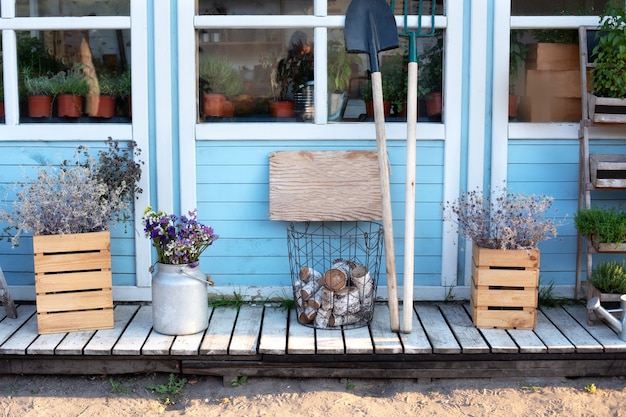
pixel 220 82
pixel 607 282
pixel 430 80
pixel 39 92
pixel 124 89
pixel 517 54
pixel 339 73
pixel 395 79
pixel 109 91
pixel 70 87
pixel 609 55
pixel 606 227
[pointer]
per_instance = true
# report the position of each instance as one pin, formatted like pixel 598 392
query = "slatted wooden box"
pixel 73 282
pixel 608 170
pixel 504 288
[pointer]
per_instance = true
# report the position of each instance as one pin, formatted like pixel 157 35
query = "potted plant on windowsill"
pixel 505 230
pixel 517 54
pixel 69 209
pixel 39 92
pixel 70 87
pixel 109 92
pixel 124 85
pixel 339 73
pixel 430 82
pixel 220 83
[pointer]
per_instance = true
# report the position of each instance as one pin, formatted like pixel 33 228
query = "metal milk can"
pixel 179 300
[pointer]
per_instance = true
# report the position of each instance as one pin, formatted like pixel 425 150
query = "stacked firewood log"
pixel 342 295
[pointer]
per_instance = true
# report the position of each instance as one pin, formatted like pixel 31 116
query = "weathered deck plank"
pixel 157 344
pixel 245 340
pixel 329 342
pixel 600 331
pixel 385 341
pixel 571 329
pixel 103 341
pixel 132 340
pixel 441 337
pixel 358 341
pixel 551 336
pixel 460 323
pixel 527 341
pixel 274 332
pixel 45 344
pixel 19 341
pixel 301 339
pixel 9 326
pixel 219 332
pixel 416 342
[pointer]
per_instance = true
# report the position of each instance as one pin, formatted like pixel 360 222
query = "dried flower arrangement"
pixel 177 239
pixel 502 220
pixel 85 196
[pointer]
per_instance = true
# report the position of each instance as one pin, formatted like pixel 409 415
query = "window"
pixel 256 69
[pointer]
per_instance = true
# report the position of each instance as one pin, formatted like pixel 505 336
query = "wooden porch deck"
pixel 265 340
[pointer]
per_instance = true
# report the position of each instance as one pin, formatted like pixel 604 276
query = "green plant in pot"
pixel 70 87
pixel 609 55
pixel 109 92
pixel 395 79
pixel 340 64
pixel 124 88
pixel 430 80
pixel 39 91
pixel 219 82
pixel 609 277
pixel 602 225
pixel 517 54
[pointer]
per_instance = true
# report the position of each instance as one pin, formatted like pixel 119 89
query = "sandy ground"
pixel 138 395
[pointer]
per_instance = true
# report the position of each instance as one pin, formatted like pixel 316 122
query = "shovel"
pixel 370 28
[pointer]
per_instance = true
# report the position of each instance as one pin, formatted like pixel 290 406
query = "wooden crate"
pixel 550 109
pixel 73 282
pixel 607 170
pixel 504 288
pixel 553 83
pixel 606 109
pixel 553 56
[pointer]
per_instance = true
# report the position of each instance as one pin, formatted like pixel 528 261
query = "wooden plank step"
pixel 103 341
pixel 301 339
pixel 157 343
pixel 274 332
pixel 133 338
pixel 358 341
pixel 9 326
pixel 571 329
pixel 527 341
pixel 415 342
pixel 385 341
pixel 498 339
pixel 441 337
pixel 187 345
pixel 329 341
pixel 74 343
pixel 460 323
pixel 245 340
pixel 20 340
pixel 45 344
pixel 218 334
pixel 600 331
pixel 551 336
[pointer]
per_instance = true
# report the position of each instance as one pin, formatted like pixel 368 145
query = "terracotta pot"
pixel 69 105
pixel 369 108
pixel 281 109
pixel 213 105
pixel 106 107
pixel 39 106
pixel 512 106
pixel 1 109
pixel 434 105
pixel 229 109
pixel 130 106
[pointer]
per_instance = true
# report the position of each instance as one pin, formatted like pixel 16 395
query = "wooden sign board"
pixel 324 186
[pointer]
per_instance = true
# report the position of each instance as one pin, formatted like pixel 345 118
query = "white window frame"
pixel 137 130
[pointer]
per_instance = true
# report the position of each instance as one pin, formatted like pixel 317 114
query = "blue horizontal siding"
pixel 233 197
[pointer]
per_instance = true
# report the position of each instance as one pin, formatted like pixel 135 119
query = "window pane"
pixel 339 7
pixel 253 68
pixel 557 7
pixel 85 63
pixel 47 8
pixel 255 7
pixel 1 84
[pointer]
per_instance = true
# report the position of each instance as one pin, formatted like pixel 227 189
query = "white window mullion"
pixel 500 114
pixel 321 75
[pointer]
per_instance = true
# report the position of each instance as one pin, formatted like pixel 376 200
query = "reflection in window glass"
pixel 557 7
pixel 339 7
pixel 254 69
pixel 1 84
pixel 46 8
pixel 86 64
pixel 255 7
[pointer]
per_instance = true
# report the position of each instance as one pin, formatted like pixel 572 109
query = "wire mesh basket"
pixel 334 272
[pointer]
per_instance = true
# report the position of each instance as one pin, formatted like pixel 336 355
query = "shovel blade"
pixel 370 28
